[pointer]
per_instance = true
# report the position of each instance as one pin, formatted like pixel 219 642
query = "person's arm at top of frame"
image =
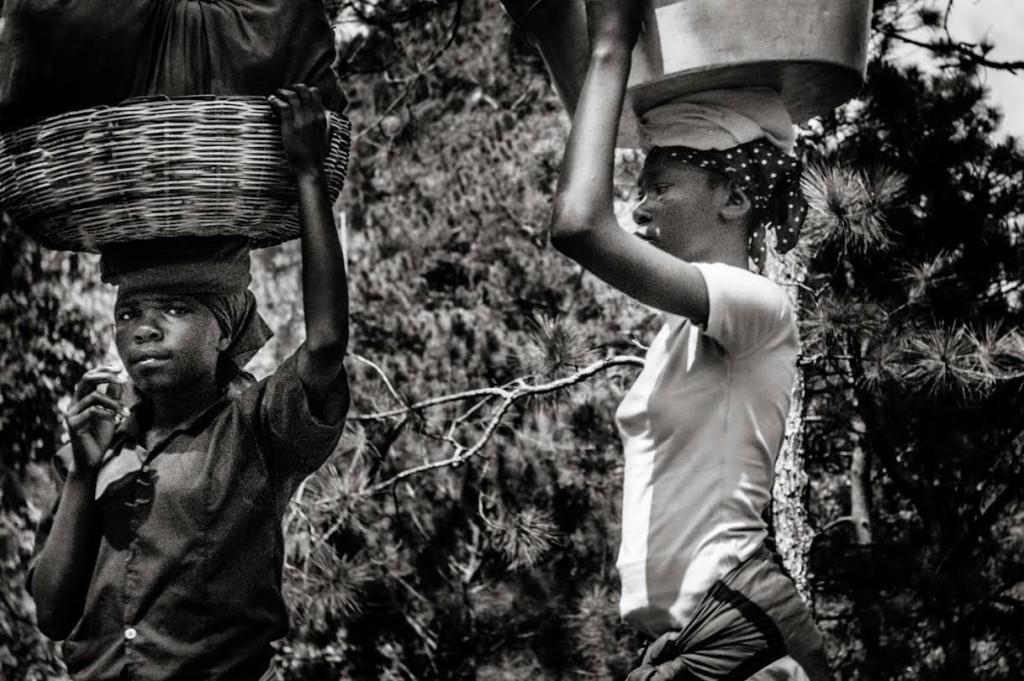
pixel 324 281
pixel 63 568
pixel 584 226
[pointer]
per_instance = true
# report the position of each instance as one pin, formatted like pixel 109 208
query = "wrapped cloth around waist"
pixel 752 624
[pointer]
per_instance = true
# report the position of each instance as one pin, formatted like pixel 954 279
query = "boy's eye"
pixel 657 189
pixel 176 309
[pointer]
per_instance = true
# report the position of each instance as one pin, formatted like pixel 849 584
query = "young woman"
pixel 165 553
pixel 704 422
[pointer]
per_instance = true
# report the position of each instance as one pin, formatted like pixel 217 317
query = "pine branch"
pixel 922 278
pixel 938 359
pixel 832 524
pixel 1011 602
pixel 849 206
pixel 975 53
pixel 1010 493
pixel 1011 583
pixel 508 396
pixel 485 393
pixel 522 536
pixel 969 53
pixel 881 443
pixel 380 372
pixel 414 80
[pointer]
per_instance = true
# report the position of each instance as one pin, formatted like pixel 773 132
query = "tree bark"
pixel 865 596
pixel 860 494
pixel 793 532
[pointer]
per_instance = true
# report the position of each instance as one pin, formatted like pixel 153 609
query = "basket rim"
pixel 141 101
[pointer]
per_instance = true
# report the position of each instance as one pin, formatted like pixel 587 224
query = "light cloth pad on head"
pixel 719 119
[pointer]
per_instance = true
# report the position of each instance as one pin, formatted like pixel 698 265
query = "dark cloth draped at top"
pixel 64 55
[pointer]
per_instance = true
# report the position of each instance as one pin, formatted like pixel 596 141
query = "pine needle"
pixel 959 359
pixel 880 367
pixel 936 360
pixel 848 207
pixel 523 537
pixel 831 319
pixel 922 278
pixel 555 348
pixel 326 589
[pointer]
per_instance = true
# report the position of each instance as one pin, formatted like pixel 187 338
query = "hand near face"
pixel 304 127
pixel 93 415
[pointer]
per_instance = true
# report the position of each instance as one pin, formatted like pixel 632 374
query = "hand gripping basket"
pixel 158 167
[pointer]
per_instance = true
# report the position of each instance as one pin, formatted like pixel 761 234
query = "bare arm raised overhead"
pixel 683 211
pixel 324 282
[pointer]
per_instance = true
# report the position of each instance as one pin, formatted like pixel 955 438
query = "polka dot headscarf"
pixel 771 178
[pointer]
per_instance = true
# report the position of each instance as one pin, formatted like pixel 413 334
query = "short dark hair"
pixel 756 216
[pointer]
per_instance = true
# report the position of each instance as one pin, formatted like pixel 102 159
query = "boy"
pixel 165 554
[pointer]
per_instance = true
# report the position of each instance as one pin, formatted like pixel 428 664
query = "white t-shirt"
pixel 701 428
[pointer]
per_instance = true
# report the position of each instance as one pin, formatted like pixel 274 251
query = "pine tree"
pixel 913 370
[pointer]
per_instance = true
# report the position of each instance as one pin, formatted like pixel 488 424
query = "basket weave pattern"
pixel 158 167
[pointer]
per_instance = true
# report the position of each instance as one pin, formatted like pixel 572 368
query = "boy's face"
pixel 680 209
pixel 169 344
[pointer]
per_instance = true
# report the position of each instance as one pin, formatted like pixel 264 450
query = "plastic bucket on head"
pixel 813 52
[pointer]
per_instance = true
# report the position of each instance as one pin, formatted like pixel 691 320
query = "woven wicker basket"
pixel 158 167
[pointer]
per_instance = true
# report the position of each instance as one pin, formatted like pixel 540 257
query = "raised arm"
pixel 584 226
pixel 324 281
pixel 63 568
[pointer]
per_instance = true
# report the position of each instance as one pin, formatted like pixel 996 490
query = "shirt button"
pixel 130 633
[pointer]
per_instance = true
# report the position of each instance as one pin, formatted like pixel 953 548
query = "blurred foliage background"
pixel 477 347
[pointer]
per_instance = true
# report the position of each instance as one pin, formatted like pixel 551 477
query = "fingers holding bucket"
pixel 304 127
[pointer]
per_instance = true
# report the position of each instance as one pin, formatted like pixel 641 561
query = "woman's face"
pixel 680 207
pixel 169 344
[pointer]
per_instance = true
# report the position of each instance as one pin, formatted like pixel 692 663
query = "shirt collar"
pixel 131 428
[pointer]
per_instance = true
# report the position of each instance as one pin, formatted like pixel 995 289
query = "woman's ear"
pixel 737 204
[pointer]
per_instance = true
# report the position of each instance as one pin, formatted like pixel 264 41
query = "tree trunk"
pixel 865 596
pixel 860 494
pixel 793 533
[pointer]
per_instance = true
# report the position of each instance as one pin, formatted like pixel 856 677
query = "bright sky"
pixel 1001 22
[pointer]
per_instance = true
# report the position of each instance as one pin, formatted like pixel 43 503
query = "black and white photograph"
pixel 500 340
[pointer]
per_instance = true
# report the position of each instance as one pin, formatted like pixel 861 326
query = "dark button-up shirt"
pixel 187 581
